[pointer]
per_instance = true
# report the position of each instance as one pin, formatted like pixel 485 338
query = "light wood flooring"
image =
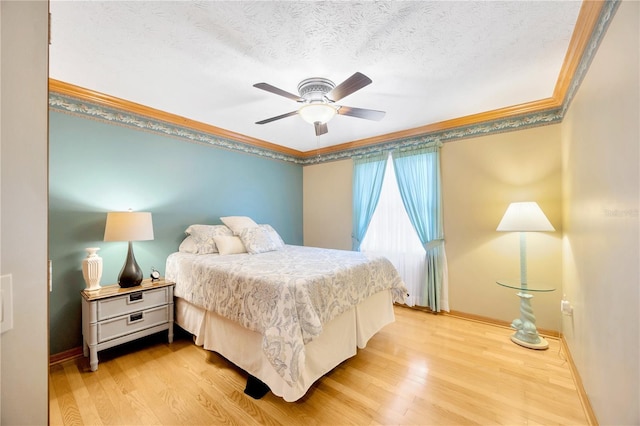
pixel 424 369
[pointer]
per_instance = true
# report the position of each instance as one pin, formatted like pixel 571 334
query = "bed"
pixel 285 314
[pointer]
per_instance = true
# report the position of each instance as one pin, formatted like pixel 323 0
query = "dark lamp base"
pixel 126 284
pixel 131 274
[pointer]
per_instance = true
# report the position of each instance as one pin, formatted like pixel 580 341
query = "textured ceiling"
pixel 429 60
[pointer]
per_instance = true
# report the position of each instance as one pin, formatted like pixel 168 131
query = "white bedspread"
pixel 285 295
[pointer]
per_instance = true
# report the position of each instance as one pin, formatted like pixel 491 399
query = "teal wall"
pixel 96 167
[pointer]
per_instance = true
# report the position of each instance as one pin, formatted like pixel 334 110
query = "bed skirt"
pixel 339 341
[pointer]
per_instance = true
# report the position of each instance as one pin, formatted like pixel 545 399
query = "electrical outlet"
pixel 566 308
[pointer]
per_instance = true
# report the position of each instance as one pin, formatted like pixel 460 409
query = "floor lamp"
pixel 525 217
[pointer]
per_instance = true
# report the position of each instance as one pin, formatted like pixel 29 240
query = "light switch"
pixel 6 299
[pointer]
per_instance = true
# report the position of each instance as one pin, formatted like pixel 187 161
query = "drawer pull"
pixel 135 317
pixel 135 297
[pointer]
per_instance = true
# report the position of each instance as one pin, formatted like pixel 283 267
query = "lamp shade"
pixel 317 112
pixel 128 226
pixel 524 217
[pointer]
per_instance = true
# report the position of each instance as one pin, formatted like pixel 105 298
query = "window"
pixel 391 235
pixel 399 216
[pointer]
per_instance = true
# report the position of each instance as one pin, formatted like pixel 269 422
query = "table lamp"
pixel 525 217
pixel 129 226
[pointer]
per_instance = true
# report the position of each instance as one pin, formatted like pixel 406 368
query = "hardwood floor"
pixel 423 369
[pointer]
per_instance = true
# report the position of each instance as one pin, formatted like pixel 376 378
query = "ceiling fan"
pixel 318 96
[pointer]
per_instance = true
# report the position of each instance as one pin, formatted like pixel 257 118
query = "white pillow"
pixel 203 236
pixel 188 245
pixel 229 244
pixel 277 239
pixel 257 240
pixel 238 223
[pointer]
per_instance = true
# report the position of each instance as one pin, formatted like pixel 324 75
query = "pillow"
pixel 188 245
pixel 229 244
pixel 257 240
pixel 238 223
pixel 203 236
pixel 277 239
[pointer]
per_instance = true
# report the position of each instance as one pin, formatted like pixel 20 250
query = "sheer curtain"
pixel 418 175
pixel 368 174
pixel 391 234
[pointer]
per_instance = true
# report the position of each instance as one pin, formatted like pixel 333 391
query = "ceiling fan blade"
pixel 356 82
pixel 321 128
pixel 273 89
pixel 369 114
pixel 269 120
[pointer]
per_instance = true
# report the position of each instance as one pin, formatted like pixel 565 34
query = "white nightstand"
pixel 113 315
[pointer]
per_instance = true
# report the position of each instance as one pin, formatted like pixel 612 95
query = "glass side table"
pixel 526 332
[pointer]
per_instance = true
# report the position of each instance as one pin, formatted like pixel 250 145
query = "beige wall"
pixel 326 206
pixel 600 138
pixel 481 176
pixel 23 152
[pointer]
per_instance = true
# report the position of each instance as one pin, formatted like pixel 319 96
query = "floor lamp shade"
pixel 524 217
pixel 129 226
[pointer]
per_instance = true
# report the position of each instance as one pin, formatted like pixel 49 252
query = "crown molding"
pixel 101 99
pixel 588 18
pixel 198 133
pixel 475 124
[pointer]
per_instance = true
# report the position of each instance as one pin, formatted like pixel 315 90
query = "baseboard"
pixel 582 394
pixel 492 321
pixel 65 356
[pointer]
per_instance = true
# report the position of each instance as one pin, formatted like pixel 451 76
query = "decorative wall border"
pixel 95 111
pixel 457 133
pixel 607 13
pixel 538 113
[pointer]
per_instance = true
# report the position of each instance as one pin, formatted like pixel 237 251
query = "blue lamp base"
pixel 526 332
pixel 541 345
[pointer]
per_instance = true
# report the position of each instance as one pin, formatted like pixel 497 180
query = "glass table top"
pixel 516 285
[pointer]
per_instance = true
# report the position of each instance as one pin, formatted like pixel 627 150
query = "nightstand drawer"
pixel 132 322
pixel 131 302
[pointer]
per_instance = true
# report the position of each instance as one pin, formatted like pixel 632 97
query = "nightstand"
pixel 114 315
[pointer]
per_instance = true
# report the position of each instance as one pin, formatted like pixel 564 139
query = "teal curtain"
pixel 418 176
pixel 368 174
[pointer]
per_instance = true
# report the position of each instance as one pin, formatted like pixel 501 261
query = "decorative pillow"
pixel 188 245
pixel 277 239
pixel 229 244
pixel 238 223
pixel 203 236
pixel 257 240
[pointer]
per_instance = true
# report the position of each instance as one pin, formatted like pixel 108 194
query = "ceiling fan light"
pixel 317 113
